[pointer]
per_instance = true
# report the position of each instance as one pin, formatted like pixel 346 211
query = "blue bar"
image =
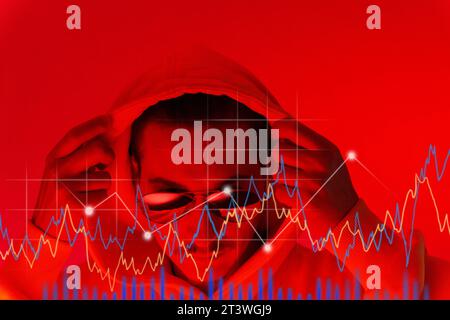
pixel 85 294
pixel 309 296
pixel 250 292
pixel 220 289
pixel 210 285
pixel 280 294
pixel 133 288
pixel 426 292
pixel 104 296
pixel 142 291
pixel 260 285
pixel 386 295
pixel 191 293
pixel 161 276
pixel 45 292
pixel 405 286
pixel 337 292
pixel 181 293
pixel 64 288
pixel 124 288
pixel 347 290
pixel 328 289
pixel 152 288
pixel 289 294
pixel 318 289
pixel 114 296
pixel 240 292
pixel 357 288
pixel 55 291
pixel 269 286
pixel 94 294
pixel 75 294
pixel 376 295
pixel 299 296
pixel 231 293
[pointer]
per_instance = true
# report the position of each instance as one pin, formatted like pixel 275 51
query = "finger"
pixel 95 152
pixel 90 181
pixel 292 198
pixel 308 159
pixel 301 135
pixel 79 135
pixel 90 197
pixel 292 176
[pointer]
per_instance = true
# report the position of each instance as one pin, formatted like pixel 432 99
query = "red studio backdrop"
pixel 382 93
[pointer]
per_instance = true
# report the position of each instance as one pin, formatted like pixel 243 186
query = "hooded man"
pixel 210 228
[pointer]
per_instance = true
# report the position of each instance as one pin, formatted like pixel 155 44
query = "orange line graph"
pixel 110 274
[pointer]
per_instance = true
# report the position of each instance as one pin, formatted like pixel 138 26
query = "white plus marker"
pixel 351 155
pixel 147 235
pixel 267 247
pixel 227 190
pixel 88 211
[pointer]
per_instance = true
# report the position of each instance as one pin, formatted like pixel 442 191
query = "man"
pixel 144 216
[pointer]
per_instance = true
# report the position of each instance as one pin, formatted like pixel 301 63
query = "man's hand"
pixel 74 172
pixel 311 160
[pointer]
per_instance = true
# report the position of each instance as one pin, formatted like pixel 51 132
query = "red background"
pixel 382 93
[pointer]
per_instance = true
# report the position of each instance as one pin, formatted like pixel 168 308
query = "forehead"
pixel 155 148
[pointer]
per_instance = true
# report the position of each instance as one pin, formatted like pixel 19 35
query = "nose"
pixel 204 224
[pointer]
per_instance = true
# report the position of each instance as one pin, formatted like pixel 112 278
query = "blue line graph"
pixel 431 159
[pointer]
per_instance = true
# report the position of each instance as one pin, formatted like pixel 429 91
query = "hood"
pixel 193 70
pixel 187 71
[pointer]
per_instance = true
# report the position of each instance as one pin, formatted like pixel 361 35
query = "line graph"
pixel 391 225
